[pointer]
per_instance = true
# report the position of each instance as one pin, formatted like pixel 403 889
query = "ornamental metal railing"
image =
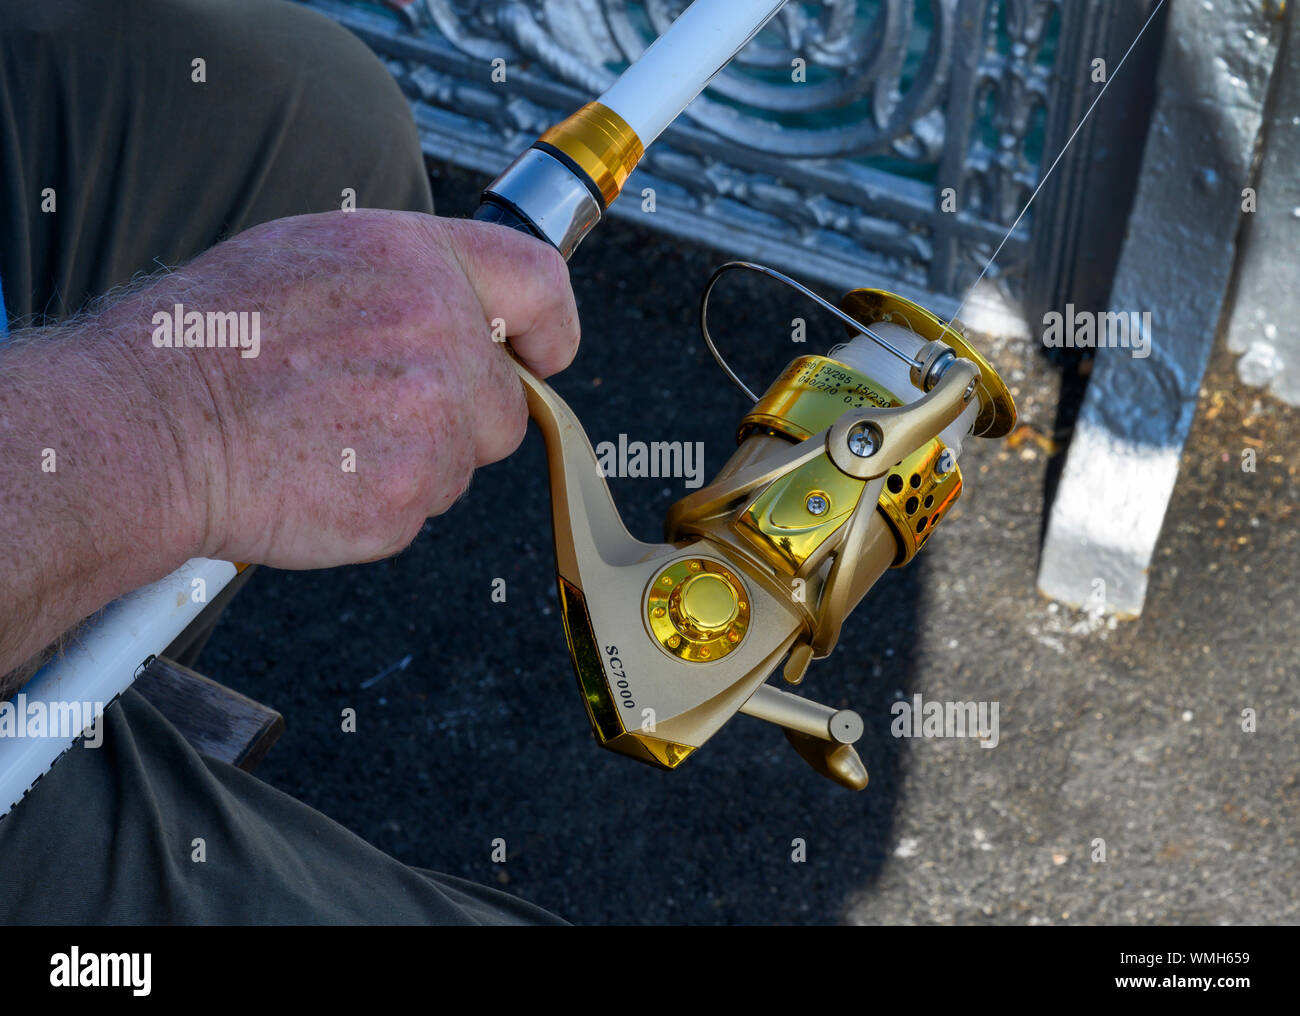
pixel 883 142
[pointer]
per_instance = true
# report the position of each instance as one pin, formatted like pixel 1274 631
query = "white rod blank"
pixel 674 70
pixel 99 665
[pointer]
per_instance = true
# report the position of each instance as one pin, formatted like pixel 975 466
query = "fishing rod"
pixel 844 467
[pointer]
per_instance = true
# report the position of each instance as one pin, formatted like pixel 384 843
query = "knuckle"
pixel 408 533
pixel 553 271
pixel 396 491
pixel 552 267
pixel 572 338
pixel 425 384
pixel 401 537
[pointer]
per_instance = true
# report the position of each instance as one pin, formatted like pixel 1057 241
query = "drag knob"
pixel 705 605
pixel 698 609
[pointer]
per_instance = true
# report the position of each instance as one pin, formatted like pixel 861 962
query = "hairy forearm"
pixel 377 383
pixel 93 493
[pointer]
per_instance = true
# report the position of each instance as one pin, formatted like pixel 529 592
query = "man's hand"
pixel 376 336
pixel 376 390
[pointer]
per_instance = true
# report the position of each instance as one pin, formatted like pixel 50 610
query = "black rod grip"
pixel 493 210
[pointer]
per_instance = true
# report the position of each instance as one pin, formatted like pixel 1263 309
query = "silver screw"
pixel 864 440
pixel 817 504
pixel 970 389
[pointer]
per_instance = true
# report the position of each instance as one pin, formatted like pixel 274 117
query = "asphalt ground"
pixel 1127 733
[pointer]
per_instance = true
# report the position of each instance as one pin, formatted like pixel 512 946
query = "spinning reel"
pixel 845 466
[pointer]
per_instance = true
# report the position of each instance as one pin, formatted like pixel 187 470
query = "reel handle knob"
pixel 835 761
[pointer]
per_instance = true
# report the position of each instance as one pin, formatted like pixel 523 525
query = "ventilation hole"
pixel 920 523
pixel 894 483
pixel 911 506
pixel 915 481
pixel 929 500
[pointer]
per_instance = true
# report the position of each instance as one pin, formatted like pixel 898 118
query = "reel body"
pixel 844 467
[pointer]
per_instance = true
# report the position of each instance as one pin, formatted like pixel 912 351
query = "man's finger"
pixel 502 410
pixel 523 287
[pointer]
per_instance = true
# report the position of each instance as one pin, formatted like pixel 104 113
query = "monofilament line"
pixel 1057 160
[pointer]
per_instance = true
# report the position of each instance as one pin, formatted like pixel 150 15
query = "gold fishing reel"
pixel 844 467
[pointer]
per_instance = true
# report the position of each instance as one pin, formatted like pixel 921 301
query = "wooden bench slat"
pixel 216 720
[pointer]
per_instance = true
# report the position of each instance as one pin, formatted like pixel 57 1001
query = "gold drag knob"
pixel 705 603
pixel 697 610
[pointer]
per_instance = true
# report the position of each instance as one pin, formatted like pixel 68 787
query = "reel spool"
pixel 844 467
pixel 898 350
